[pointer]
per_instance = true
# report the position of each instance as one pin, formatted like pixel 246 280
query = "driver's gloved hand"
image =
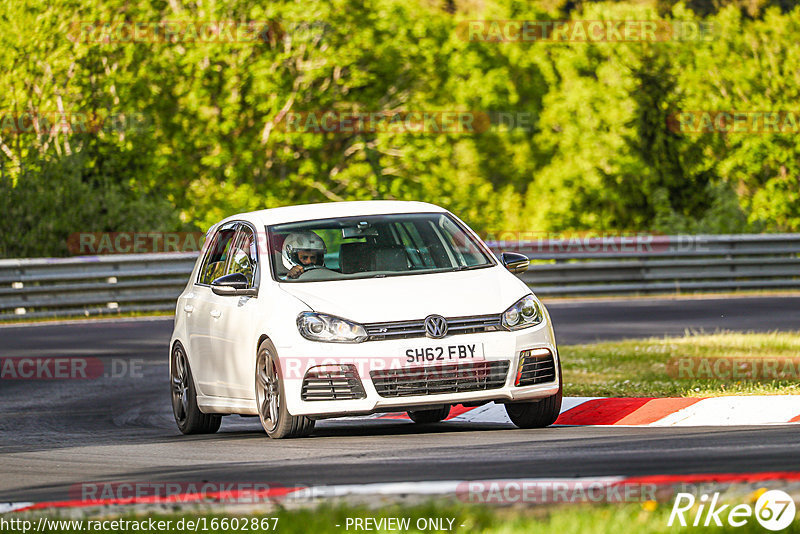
pixel 295 271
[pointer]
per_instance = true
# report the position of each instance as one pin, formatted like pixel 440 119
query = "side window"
pixel 244 257
pixel 217 256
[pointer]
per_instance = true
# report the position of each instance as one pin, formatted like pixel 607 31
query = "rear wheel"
pixel 271 398
pixel 424 417
pixel 187 414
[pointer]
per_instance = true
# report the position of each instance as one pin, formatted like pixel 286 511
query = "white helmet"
pixel 306 240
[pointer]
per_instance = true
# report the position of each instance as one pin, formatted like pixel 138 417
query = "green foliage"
pixel 83 192
pixel 598 153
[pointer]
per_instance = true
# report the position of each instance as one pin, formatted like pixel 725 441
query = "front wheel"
pixel 425 417
pixel 271 398
pixel 189 418
pixel 537 414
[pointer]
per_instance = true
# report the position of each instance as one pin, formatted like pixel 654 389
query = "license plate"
pixel 463 352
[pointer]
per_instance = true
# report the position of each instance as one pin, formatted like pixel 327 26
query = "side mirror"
pixel 234 284
pixel 516 263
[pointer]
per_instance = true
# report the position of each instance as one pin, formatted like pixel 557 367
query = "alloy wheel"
pixel 180 385
pixel 268 391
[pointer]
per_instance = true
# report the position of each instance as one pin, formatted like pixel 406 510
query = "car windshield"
pixel 373 246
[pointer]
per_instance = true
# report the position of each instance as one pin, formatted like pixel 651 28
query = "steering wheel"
pixel 318 272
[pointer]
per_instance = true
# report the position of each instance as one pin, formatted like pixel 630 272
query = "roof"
pixel 333 210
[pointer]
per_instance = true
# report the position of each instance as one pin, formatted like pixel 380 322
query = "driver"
pixel 303 251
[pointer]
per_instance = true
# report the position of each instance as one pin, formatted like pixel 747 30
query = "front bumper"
pixel 295 360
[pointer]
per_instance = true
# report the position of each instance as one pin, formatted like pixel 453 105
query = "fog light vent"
pixel 536 366
pixel 332 382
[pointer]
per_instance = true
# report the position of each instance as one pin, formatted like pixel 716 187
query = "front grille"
pixel 332 382
pixel 535 367
pixel 455 325
pixel 433 380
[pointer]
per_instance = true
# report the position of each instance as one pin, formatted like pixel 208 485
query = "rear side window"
pixel 244 256
pixel 217 256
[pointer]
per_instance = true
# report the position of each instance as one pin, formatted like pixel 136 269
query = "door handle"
pixel 188 308
pixel 215 314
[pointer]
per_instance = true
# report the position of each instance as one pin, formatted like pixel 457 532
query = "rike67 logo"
pixel 774 510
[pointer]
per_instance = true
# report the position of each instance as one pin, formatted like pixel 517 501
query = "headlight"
pixel 523 314
pixel 322 327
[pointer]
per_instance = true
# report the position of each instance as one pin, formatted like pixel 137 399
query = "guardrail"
pixel 96 285
pixel 92 285
pixel 660 264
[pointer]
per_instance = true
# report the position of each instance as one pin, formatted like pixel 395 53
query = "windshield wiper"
pixel 468 267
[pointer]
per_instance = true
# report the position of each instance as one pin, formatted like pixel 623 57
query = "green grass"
pixel 638 368
pixel 564 519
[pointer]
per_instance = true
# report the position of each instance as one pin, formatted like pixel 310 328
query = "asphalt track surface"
pixel 57 434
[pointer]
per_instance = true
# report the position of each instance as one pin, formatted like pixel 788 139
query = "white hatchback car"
pixel 308 312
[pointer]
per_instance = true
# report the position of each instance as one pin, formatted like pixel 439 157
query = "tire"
pixel 271 398
pixel 426 417
pixel 537 414
pixel 188 417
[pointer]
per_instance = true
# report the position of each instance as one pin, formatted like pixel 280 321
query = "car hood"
pixel 395 298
